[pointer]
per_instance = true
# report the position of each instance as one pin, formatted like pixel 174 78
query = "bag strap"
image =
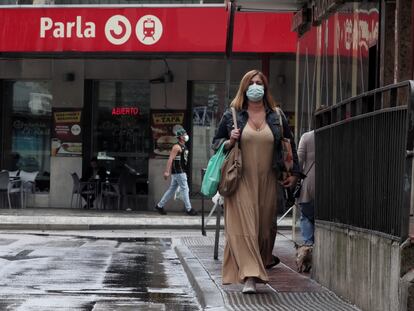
pixel 278 110
pixel 233 112
pixel 310 167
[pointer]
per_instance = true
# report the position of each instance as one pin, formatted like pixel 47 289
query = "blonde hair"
pixel 240 100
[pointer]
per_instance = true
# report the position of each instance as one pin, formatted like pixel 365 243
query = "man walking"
pixel 176 166
pixel 306 154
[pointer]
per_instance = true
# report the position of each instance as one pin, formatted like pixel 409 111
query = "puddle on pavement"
pixel 96 275
pixel 153 273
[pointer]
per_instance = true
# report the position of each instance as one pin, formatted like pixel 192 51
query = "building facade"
pixel 114 81
pixel 353 62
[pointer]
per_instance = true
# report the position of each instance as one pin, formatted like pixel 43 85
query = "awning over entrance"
pixel 270 5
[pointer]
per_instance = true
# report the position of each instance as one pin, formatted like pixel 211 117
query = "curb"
pixel 207 292
pixel 84 225
pixel 66 226
pixel 74 226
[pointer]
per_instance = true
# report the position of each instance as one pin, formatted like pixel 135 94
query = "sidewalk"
pixel 287 289
pixel 80 219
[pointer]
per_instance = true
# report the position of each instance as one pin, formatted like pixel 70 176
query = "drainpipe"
pixel 412 40
pixel 266 66
pixel 229 48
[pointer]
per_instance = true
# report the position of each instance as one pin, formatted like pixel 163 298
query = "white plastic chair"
pixel 28 184
pixel 9 187
pixel 14 173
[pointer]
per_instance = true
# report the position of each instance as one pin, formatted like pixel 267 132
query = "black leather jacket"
pixel 272 119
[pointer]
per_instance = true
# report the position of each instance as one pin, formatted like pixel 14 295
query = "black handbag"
pixel 298 186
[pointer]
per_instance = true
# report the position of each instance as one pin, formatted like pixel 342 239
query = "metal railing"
pixel 364 150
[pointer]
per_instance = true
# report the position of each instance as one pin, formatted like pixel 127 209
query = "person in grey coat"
pixel 306 154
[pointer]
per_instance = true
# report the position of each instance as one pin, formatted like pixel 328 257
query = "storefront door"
pixel 118 133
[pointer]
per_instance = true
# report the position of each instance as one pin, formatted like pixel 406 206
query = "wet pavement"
pixel 287 289
pixel 42 272
pixel 70 268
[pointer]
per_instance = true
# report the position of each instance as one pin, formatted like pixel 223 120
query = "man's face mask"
pixel 255 92
pixel 186 138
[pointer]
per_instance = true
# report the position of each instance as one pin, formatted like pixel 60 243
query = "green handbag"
pixel 212 175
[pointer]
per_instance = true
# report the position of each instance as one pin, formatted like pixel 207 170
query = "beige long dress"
pixel 250 211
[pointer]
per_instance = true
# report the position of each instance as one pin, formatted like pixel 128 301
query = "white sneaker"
pixel 249 286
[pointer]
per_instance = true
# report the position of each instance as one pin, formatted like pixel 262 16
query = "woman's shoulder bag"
pixel 287 153
pixel 232 166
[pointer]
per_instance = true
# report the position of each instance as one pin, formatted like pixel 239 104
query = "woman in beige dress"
pixel 250 211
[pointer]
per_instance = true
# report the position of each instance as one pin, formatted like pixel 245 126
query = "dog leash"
pixel 294 243
pixel 289 239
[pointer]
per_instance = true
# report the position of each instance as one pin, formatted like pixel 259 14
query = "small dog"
pixel 303 257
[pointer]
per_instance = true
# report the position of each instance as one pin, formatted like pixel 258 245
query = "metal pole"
pixel 217 236
pixel 203 230
pixel 229 49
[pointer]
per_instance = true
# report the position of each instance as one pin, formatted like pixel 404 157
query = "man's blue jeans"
pixel 307 222
pixel 177 180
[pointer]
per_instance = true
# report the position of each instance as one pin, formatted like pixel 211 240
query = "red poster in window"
pixel 67 133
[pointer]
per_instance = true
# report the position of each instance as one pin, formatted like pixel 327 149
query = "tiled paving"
pixel 287 289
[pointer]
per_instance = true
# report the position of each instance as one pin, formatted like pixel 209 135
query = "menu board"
pixel 66 133
pixel 164 125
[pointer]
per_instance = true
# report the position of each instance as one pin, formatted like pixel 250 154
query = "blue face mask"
pixel 255 92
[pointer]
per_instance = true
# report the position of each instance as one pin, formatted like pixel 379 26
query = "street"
pixel 66 271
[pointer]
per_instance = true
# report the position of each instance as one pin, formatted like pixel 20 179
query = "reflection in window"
pixel 28 126
pixel 207 108
pixel 339 53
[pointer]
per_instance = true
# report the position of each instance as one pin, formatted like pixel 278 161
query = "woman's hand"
pixel 290 181
pixel 234 136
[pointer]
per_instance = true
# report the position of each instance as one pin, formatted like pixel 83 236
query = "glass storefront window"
pixel 341 54
pixel 121 124
pixel 27 122
pixel 207 108
pixel 136 1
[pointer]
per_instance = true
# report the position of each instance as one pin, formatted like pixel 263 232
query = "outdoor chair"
pixel 81 188
pixel 111 191
pixel 28 184
pixel 8 187
pixel 14 173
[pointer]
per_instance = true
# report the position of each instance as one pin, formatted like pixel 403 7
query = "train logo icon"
pixel 149 29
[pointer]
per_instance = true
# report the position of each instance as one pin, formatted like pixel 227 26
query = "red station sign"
pixel 142 29
pixel 184 29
